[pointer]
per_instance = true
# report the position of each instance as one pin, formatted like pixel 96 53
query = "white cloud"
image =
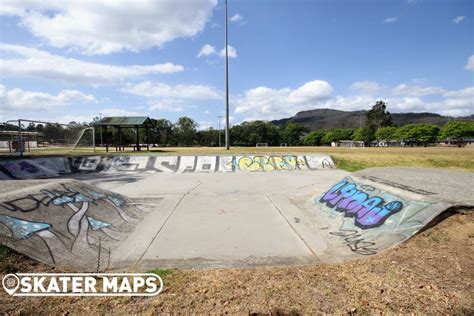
pixel 236 18
pixel 470 63
pixel 209 50
pixel 390 20
pixel 367 87
pixel 416 91
pixel 167 105
pixel 267 103
pixel 459 19
pixel 349 103
pixel 455 103
pixel 310 92
pixel 161 90
pixel 119 112
pixel 206 50
pixel 21 100
pixel 230 51
pixel 460 99
pixel 463 93
pixel 42 64
pixel 205 125
pixel 103 27
pixel 66 119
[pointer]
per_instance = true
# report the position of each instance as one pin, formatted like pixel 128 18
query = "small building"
pixel 11 140
pixel 349 143
pixel 123 122
pixel 386 143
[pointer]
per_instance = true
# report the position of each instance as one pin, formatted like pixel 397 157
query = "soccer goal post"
pixel 38 137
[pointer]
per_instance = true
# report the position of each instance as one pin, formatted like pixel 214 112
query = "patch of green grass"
pixel 4 252
pixel 162 273
pixel 349 165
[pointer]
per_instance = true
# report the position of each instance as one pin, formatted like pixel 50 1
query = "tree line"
pixel 185 132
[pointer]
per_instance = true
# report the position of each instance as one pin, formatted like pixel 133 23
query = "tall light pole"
pixel 227 132
pixel 219 117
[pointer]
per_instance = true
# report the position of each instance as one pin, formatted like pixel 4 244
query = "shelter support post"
pixel 138 137
pixel 106 139
pixel 147 139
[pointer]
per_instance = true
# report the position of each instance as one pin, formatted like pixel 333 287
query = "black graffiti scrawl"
pixel 71 224
pixel 356 201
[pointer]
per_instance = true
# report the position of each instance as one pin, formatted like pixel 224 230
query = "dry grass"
pixel 431 273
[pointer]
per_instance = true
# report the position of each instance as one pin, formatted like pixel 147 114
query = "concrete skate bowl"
pixel 111 213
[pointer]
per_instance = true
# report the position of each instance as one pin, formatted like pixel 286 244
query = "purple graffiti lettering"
pixel 330 194
pixel 350 199
pixel 28 168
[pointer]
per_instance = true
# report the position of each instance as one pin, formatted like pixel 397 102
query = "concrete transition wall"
pixel 361 217
pixel 67 223
pixel 50 167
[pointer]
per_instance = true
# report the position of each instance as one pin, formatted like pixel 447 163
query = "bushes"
pixel 457 130
pixel 418 133
pixel 314 138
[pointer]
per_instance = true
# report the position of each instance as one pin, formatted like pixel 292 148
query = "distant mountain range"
pixel 327 119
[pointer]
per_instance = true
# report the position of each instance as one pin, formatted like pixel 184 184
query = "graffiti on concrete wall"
pixel 67 225
pixel 355 201
pixel 54 167
pixel 366 218
pixel 268 163
pixel 356 242
pixel 24 169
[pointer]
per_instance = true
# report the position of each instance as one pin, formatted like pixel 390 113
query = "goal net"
pixel 262 145
pixel 30 137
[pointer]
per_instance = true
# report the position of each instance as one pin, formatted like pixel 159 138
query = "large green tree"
pixel 418 133
pixel 386 133
pixel 378 117
pixel 209 137
pixel 251 133
pixel 185 130
pixel 363 134
pixel 314 138
pixel 457 131
pixel 292 133
pixel 337 134
pixel 163 132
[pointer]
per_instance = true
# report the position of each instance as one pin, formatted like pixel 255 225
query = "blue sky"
pixel 71 60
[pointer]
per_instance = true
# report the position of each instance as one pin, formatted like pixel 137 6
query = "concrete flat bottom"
pixel 217 219
pixel 139 220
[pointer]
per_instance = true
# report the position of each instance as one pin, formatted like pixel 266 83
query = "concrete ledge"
pixel 50 167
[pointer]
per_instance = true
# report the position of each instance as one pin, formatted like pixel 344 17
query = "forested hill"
pixel 327 119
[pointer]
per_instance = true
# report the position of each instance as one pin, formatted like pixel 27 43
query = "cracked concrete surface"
pixel 245 219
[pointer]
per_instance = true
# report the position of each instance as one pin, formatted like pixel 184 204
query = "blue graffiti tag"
pixel 62 198
pixel 368 211
pixel 22 229
pixel 96 224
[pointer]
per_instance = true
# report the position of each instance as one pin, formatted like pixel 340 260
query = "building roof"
pixel 23 133
pixel 125 121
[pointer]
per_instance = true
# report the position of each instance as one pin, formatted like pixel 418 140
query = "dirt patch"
pixel 431 273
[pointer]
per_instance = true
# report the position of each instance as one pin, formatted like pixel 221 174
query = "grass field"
pixel 346 158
